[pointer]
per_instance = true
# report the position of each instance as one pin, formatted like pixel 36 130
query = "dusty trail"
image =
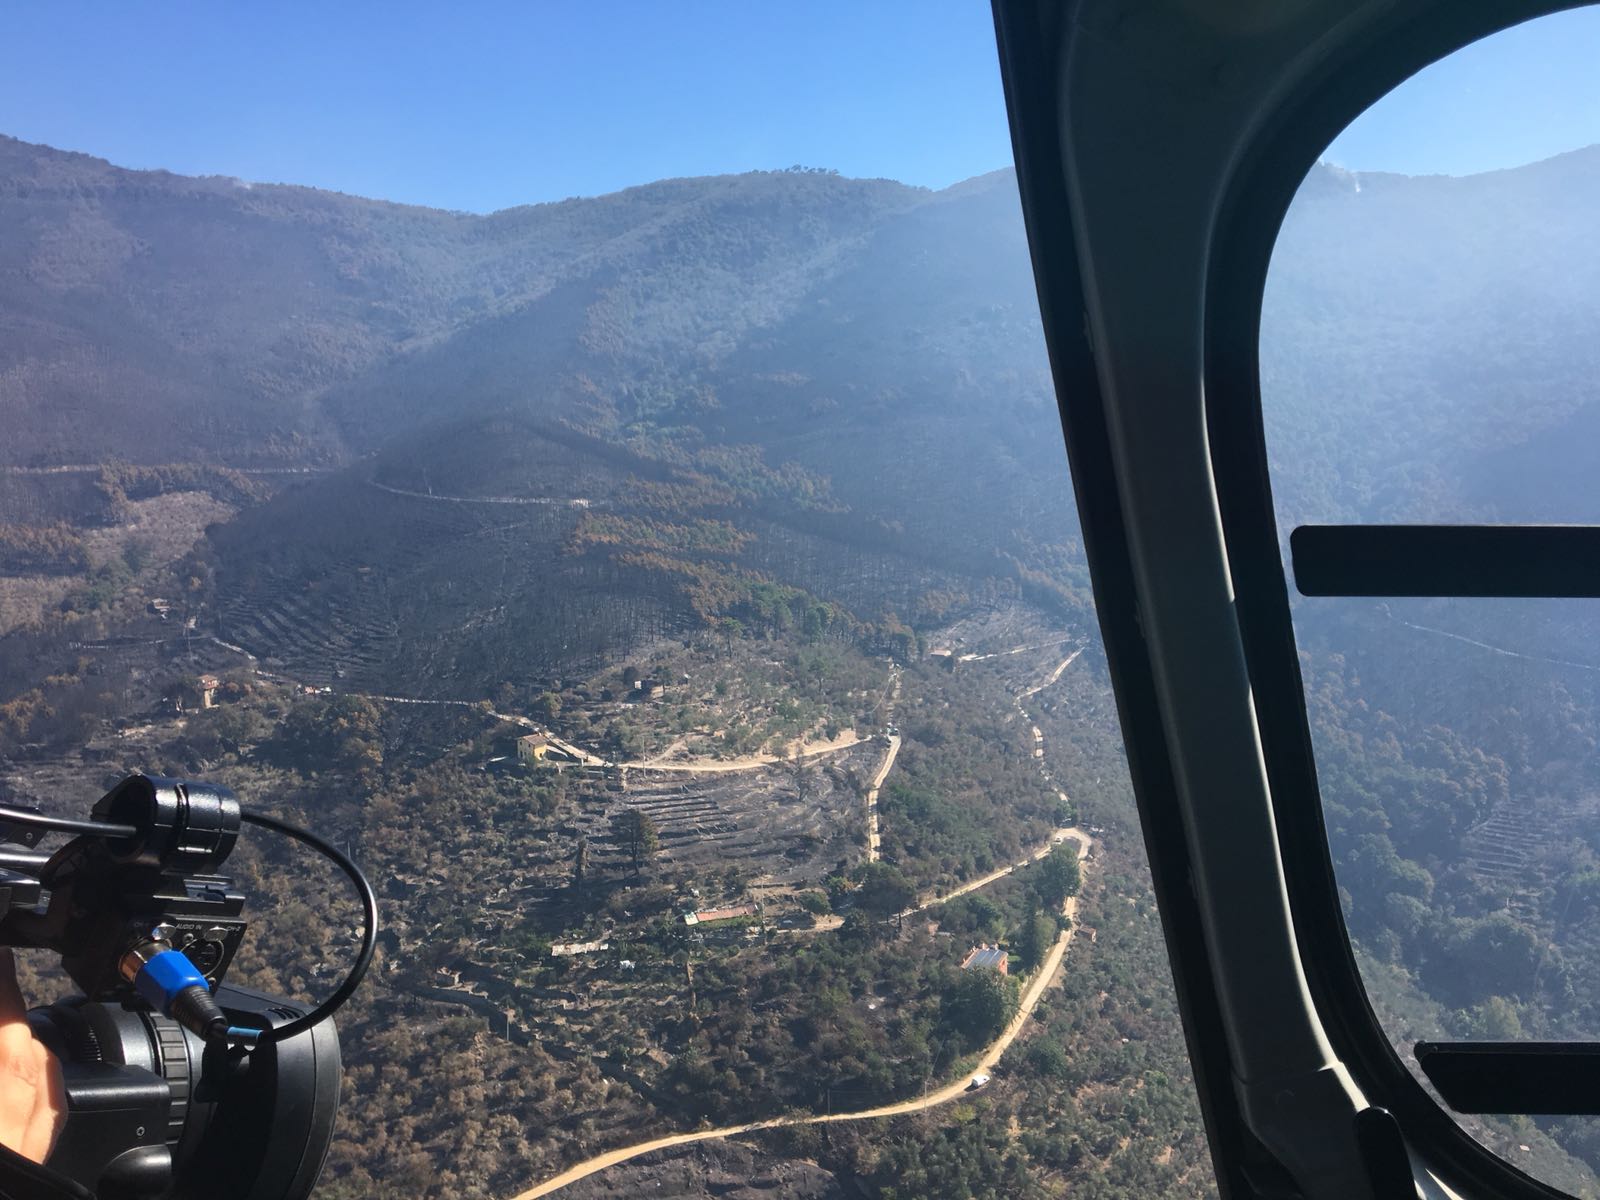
pixel 951 1091
pixel 704 766
pixel 829 923
pixel 543 501
pixel 1492 649
pixel 96 468
pixel 750 762
pixel 984 881
pixel 1054 675
pixel 883 771
pixel 707 766
pixel 1013 650
pixel 872 796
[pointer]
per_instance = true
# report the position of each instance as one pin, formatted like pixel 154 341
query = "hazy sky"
pixel 1517 97
pixel 483 105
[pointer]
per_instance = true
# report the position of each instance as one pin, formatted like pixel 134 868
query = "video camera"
pixel 177 1084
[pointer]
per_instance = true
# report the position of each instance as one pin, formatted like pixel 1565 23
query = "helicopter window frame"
pixel 1269 170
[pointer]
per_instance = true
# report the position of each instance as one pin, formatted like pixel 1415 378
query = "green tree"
pixel 975 915
pixel 884 891
pixel 580 862
pixel 981 1004
pixel 636 832
pixel 340 732
pixel 1034 939
pixel 1058 874
pixel 1496 1019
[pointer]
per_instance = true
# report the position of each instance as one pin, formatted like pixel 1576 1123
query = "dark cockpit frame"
pixel 1158 147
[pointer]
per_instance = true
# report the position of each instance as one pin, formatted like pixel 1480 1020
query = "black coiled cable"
pixel 369 934
pixel 369 901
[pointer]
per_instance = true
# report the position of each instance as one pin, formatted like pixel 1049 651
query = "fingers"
pixel 33 1099
pixel 21 1072
pixel 49 1109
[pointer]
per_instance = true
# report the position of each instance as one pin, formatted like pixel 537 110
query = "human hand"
pixel 33 1099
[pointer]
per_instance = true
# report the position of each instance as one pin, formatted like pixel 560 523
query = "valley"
pixel 675 600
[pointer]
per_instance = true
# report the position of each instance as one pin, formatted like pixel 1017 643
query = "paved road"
pixel 951 1091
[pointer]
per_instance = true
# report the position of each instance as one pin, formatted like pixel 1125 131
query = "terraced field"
pixel 755 819
pixel 1504 853
pixel 358 588
pixel 310 639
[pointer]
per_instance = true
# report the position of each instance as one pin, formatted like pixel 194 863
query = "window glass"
pixel 1428 354
pixel 655 562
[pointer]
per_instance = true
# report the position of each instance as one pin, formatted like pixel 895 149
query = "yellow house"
pixel 532 747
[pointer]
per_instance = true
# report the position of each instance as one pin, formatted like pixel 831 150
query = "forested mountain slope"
pixel 788 406
pixel 1420 334
pixel 260 324
pixel 223 312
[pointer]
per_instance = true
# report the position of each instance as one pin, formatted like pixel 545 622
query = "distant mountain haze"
pixel 154 317
pixel 1423 338
pixel 848 374
pixel 754 435
pixel 830 352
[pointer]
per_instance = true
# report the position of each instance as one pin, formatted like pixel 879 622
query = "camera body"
pixel 95 898
pixel 155 1109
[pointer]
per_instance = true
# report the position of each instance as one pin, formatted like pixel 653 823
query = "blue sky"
pixel 483 105
pixel 1520 96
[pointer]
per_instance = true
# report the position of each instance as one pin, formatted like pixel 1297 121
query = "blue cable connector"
pixel 166 980
pixel 164 976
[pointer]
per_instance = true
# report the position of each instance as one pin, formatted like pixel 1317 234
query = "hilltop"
pixel 749 436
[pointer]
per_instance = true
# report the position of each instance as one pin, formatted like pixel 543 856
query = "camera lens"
pixel 153 1111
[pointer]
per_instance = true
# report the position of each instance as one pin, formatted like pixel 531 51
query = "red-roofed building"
pixel 988 956
pixel 719 914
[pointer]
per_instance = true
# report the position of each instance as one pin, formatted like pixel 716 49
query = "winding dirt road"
pixel 872 796
pixel 892 698
pixel 542 501
pixel 1053 676
pixel 1492 649
pixel 991 1057
pixel 96 468
pixel 1014 650
pixel 751 762
pixel 984 881
pixel 951 1091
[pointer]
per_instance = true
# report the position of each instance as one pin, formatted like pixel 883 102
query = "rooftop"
pixel 986 956
pixel 719 914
